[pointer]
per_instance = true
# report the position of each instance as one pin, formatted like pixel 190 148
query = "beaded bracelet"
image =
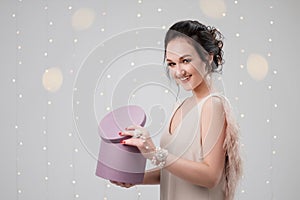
pixel 160 156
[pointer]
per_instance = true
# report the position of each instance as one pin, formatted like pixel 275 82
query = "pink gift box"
pixel 118 162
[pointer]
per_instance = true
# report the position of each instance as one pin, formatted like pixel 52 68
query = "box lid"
pixel 119 119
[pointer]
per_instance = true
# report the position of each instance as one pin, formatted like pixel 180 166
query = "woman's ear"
pixel 210 58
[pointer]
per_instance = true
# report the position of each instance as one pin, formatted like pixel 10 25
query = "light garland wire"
pixel 45 117
pixel 272 104
pixel 15 81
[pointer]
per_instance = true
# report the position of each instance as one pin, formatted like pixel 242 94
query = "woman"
pixel 198 157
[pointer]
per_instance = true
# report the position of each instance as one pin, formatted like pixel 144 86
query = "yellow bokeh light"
pixel 83 18
pixel 52 79
pixel 257 66
pixel 213 8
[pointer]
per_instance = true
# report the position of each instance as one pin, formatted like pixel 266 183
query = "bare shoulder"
pixel 213 104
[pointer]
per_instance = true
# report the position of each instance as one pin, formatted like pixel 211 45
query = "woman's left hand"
pixel 140 138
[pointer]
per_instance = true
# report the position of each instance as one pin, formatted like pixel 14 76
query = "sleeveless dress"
pixel 185 143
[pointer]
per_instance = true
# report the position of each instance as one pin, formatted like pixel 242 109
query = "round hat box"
pixel 118 162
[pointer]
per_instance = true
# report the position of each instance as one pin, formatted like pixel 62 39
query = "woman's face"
pixel 185 64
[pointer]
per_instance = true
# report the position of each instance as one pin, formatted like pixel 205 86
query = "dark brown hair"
pixel 202 38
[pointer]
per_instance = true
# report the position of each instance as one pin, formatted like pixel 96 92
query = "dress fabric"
pixel 185 143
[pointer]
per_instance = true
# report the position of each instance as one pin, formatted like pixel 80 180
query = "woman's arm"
pixel 208 172
pixel 152 177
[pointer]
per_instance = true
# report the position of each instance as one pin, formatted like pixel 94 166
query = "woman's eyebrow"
pixel 181 57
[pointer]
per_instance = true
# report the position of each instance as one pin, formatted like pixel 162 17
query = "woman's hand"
pixel 141 139
pixel 126 185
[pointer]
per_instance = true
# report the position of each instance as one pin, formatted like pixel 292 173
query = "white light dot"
pixel 267 182
pixel 242 66
pixel 70 134
pixel 242 115
pixel 46 7
pixel 166 91
pixel 224 14
pixel 101 61
pixel 73 182
pixel 101 93
pixel 48 163
pixel 236 98
pixel 77 195
pixel 275 137
pixel 132 63
pixel 235 2
pixel 44 132
pixel 133 96
pixel 139 1
pixel 158 42
pixel 50 23
pixel 103 13
pixel 13 15
pixel 13 80
pixel 139 15
pixel 159 9
pixel 76 150
pixel 243 191
pixel 45 54
pixel 274 72
pixel 75 40
pixel 275 105
pixel 108 185
pixel 241 82
pixel 74 89
pixel 271 7
pixel 241 18
pixel 70 7
pixel 45 148
pixel 163 27
pixel 270 39
pixel 270 87
pixel 77 118
pixel 271 167
pixel 20 143
pixel 71 165
pixel 269 54
pixel 237 35
pixel 108 76
pixel 77 102
pixel 49 102
pixel 20 96
pixel 268 121
pixel 19 191
pixel 44 117
pixel 242 50
pixel 271 22
pixel 46 178
pixel 102 29
pixel 107 108
pixel 20 62
pixel 19 173
pixel 273 152
pixel 16 126
pixel 50 40
pixel 105 198
pixel 19 47
pixel 18 32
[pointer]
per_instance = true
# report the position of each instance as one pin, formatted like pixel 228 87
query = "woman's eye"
pixel 171 64
pixel 186 60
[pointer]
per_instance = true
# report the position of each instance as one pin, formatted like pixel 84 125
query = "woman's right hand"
pixel 126 185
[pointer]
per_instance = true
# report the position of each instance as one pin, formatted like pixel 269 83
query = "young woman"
pixel 198 157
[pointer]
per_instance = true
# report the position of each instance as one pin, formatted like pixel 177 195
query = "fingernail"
pixel 120 133
pixel 123 142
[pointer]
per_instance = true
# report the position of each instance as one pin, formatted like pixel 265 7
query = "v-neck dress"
pixel 185 142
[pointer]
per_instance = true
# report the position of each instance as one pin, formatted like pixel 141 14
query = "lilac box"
pixel 118 162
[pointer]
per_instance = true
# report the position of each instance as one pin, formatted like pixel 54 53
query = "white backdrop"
pixel 65 64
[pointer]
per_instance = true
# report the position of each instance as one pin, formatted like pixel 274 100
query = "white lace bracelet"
pixel 160 156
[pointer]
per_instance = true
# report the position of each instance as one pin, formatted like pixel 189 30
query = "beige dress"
pixel 185 143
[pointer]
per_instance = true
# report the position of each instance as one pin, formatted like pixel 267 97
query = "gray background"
pixel 49 141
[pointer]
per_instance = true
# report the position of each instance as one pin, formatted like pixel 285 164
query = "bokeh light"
pixel 213 8
pixel 52 79
pixel 257 66
pixel 83 18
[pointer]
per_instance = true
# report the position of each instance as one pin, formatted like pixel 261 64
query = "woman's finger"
pixel 132 127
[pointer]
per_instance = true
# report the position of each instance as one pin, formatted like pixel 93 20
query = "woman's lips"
pixel 185 78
